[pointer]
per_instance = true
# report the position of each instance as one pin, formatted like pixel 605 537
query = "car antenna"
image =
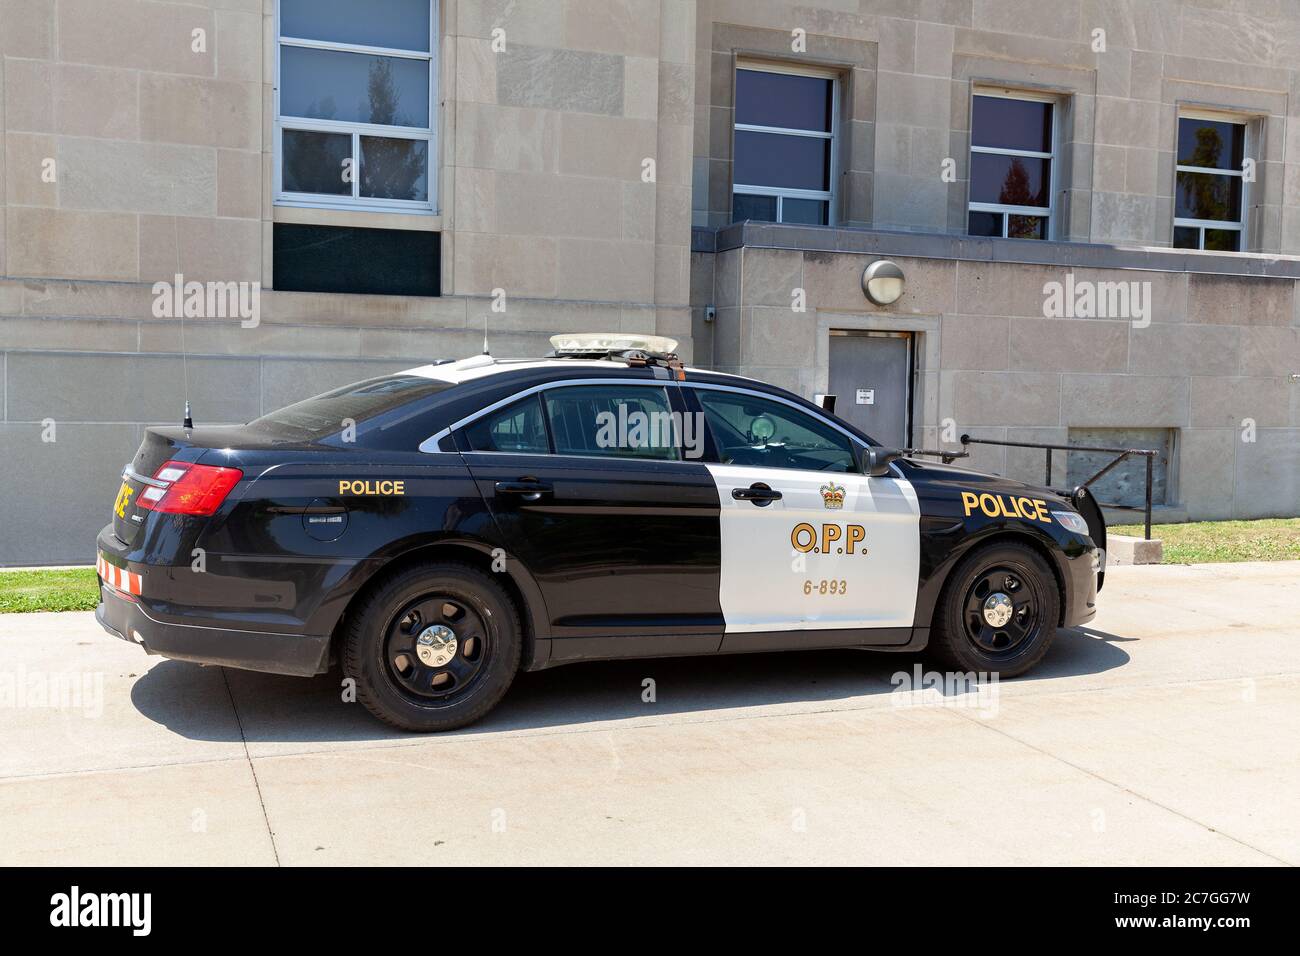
pixel 177 296
pixel 485 341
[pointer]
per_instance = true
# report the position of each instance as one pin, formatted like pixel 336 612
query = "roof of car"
pixel 484 366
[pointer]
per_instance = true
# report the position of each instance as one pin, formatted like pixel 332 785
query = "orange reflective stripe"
pixel 119 579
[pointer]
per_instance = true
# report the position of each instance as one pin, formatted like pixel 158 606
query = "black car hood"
pixel 964 479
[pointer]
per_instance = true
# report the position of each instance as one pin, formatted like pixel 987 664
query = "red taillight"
pixel 190 490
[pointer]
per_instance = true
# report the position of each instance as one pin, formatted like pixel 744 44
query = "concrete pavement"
pixel 1163 733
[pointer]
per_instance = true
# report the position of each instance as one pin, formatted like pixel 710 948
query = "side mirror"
pixel 876 459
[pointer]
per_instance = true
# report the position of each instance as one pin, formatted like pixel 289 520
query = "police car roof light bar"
pixel 583 344
pixel 638 351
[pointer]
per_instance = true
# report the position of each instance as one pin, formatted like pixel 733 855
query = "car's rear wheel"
pixel 433 647
pixel 997 613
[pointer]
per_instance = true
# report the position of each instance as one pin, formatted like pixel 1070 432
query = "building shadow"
pixel 274 709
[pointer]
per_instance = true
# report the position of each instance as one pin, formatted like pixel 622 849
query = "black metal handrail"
pixel 948 456
pixel 1120 453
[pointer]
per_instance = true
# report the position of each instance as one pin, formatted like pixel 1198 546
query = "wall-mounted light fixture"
pixel 882 282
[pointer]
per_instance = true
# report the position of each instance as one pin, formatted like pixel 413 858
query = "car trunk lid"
pixel 155 450
pixel 164 444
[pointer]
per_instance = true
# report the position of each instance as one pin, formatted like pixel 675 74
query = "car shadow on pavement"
pixel 274 709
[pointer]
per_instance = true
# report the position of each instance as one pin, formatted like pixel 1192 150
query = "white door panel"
pixel 804 563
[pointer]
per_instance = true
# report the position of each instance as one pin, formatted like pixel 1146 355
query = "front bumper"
pixel 1081 587
pixel 293 654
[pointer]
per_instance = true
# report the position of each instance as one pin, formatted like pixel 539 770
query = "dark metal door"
pixel 871 375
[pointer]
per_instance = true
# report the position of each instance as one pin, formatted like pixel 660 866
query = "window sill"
pixel 938 245
pixel 360 218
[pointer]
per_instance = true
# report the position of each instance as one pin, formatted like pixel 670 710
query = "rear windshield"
pixel 325 414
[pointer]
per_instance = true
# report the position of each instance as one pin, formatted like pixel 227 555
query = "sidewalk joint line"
pixel 253 770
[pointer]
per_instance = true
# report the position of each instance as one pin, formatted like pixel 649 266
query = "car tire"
pixel 975 629
pixel 433 647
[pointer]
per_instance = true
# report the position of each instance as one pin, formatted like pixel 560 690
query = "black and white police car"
pixel 437 530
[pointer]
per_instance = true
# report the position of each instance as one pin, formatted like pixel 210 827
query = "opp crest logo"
pixel 832 496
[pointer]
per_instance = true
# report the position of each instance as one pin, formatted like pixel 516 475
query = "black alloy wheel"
pixel 436 647
pixel 998 611
pixel 1002 611
pixel 433 646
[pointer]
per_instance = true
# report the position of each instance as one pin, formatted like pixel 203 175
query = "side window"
pixel 518 427
pixel 619 421
pixel 762 433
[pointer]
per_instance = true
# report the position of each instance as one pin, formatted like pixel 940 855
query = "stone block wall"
pixel 1119 71
pixel 1216 359
pixel 563 159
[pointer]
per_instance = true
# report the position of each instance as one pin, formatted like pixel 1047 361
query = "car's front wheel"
pixel 997 613
pixel 433 647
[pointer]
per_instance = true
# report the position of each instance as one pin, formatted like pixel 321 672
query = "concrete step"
pixel 1123 549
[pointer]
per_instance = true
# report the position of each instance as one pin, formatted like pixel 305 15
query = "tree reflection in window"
pixel 1209 190
pixel 356 99
pixel 1207 196
pixel 390 168
pixel 1012 151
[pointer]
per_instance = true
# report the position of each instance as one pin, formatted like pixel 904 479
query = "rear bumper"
pixel 293 654
pixel 141 603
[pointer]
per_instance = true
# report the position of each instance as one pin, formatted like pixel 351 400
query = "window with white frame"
pixel 1012 164
pixel 356 94
pixel 783 153
pixel 1210 183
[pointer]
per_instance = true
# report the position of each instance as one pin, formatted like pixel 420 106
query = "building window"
pixel 783 156
pixel 1210 191
pixel 1012 140
pixel 355 94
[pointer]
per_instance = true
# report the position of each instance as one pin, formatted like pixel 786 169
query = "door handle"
pixel 760 494
pixel 529 489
